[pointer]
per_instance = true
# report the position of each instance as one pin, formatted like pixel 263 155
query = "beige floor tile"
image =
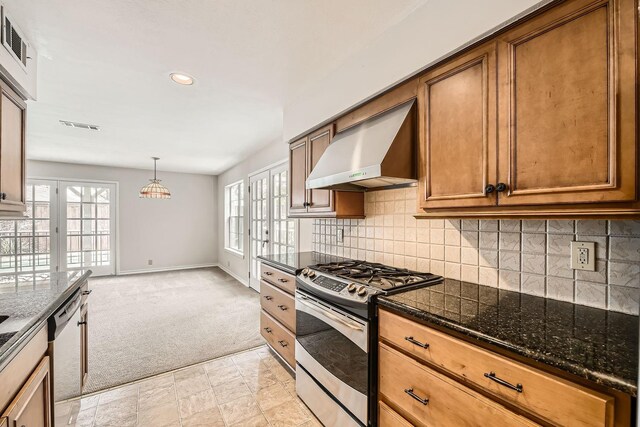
pixel 257 421
pixel 239 410
pixel 159 416
pixel 272 396
pixel 119 393
pixel 264 352
pixel 282 374
pixel 188 386
pixel 215 364
pixel 89 402
pixel 251 366
pixel 199 402
pixel 159 396
pixel 223 374
pixel 312 423
pixel 231 390
pixel 286 414
pixel 261 380
pixel 245 356
pixel 290 386
pixel 193 371
pixel 85 418
pixel 121 412
pixel 163 380
pixel 209 418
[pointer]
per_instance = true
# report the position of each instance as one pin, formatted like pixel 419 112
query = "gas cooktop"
pixel 379 276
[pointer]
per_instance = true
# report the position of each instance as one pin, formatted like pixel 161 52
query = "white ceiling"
pixel 108 62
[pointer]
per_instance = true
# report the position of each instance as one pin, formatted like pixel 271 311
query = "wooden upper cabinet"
pixel 567 99
pixel 298 176
pixel 457 151
pixel 319 200
pixel 12 150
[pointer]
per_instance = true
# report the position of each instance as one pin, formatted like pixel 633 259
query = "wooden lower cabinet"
pixel 428 398
pixel 432 364
pixel 387 417
pixel 278 314
pixel 32 406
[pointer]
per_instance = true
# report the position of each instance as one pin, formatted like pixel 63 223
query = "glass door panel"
pixel 258 226
pixel 88 227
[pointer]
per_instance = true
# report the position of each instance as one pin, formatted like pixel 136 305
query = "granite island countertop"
pixel 294 262
pixel 27 307
pixel 596 344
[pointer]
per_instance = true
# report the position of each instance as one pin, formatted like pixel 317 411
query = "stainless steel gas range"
pixel 336 329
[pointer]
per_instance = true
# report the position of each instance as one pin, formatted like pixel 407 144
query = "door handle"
pixel 264 242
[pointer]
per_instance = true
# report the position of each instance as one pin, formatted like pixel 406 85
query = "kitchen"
pixel 452 237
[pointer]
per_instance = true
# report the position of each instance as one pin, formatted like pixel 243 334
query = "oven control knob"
pixel 311 274
pixel 362 291
pixel 351 288
pixel 305 272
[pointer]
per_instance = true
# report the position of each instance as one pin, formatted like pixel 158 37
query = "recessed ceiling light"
pixel 182 79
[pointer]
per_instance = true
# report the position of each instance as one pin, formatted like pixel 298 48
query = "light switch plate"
pixel 583 256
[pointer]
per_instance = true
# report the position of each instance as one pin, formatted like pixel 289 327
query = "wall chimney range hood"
pixel 378 152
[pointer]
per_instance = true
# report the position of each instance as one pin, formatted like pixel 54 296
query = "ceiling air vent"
pixel 79 125
pixel 13 40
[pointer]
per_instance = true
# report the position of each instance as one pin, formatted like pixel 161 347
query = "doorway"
pixel 270 231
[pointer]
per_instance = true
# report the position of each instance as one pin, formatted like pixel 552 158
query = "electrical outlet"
pixel 583 256
pixel 150 262
pixel 340 235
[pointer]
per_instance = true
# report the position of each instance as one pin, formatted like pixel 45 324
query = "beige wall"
pixel 531 256
pixel 176 233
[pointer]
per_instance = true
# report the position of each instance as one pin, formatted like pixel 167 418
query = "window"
pixel 234 217
pixel 25 244
pixel 284 232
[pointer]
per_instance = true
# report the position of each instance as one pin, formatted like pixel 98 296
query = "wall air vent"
pixel 13 40
pixel 79 125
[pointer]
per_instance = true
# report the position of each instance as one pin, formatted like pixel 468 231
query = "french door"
pixel 87 227
pixel 270 231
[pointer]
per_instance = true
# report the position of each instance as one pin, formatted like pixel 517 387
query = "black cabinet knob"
pixel 489 189
pixel 501 187
pixel 3 196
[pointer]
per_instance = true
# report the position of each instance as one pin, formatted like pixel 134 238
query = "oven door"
pixel 332 347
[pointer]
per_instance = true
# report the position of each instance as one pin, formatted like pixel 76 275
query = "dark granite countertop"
pixel 599 345
pixel 28 307
pixel 293 263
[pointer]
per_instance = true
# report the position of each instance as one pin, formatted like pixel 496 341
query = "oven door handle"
pixel 330 315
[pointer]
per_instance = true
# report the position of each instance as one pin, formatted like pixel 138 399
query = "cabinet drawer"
pixel 278 304
pixel 280 339
pixel 540 391
pixel 446 402
pixel 387 417
pixel 283 280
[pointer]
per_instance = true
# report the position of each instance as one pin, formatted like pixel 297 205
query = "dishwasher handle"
pixel 61 317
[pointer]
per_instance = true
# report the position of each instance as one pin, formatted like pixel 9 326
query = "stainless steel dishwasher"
pixel 68 346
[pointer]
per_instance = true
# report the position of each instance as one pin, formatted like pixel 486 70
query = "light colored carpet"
pixel 146 324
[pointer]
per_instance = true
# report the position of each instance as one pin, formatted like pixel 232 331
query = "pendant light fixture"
pixel 155 190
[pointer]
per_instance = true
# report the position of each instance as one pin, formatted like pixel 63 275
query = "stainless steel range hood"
pixel 379 152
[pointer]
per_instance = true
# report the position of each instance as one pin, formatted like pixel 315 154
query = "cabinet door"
pixel 568 105
pixel 32 405
pixel 458 132
pixel 319 200
pixel 298 176
pixel 12 150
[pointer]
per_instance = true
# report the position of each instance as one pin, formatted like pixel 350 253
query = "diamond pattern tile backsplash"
pixel 530 256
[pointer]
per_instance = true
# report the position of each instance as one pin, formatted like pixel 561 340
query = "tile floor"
pixel 251 388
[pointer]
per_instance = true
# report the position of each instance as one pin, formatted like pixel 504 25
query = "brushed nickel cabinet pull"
pixel 492 377
pixel 282 280
pixel 418 343
pixel 282 307
pixel 410 392
pixel 268 297
pixel 268 330
pixel 268 273
pixel 283 343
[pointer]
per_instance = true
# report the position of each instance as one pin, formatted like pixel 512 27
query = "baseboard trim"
pixel 234 275
pixel 161 269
